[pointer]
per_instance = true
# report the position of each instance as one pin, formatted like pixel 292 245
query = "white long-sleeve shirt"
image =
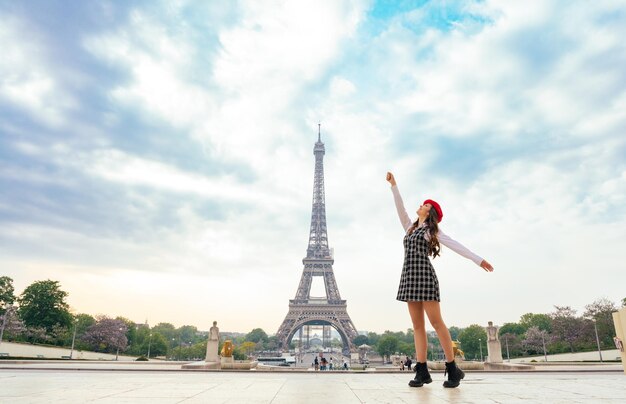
pixel 443 238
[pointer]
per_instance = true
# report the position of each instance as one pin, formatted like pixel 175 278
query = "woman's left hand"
pixel 486 266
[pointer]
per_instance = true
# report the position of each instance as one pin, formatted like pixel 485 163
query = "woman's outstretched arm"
pixel 405 220
pixel 463 251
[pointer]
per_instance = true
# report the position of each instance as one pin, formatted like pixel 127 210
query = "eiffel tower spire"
pixel 318 235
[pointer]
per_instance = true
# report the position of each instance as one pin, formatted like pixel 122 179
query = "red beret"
pixel 435 206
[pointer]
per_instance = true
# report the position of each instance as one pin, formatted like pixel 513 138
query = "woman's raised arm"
pixel 405 220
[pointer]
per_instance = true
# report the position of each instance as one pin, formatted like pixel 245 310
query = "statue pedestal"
pixel 494 349
pixel 212 351
pixel 228 362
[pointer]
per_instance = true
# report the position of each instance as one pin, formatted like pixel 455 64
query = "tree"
pixel 409 336
pixel 248 347
pixel 257 335
pixel 131 330
pixel 512 328
pixel 387 345
pixel 42 304
pixel 168 331
pixel 434 345
pixel 82 322
pixel 601 312
pixel 406 348
pixel 158 345
pixel 624 302
pixel 514 343
pixel 37 334
pixel 541 321
pixel 372 338
pixel 238 355
pixel 61 336
pixel 454 332
pixel 107 335
pixel 198 350
pixel 11 325
pixel 7 296
pixel 188 333
pixel 567 327
pixel 472 339
pixel 360 340
pixel 534 340
pixel 140 342
pixel 272 343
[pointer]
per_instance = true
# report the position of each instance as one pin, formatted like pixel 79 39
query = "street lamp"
pixel 118 344
pixel 180 347
pixel 597 339
pixel 543 341
pixel 480 345
pixel 73 337
pixel 149 343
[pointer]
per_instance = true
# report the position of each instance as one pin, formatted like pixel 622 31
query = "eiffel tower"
pixel 306 311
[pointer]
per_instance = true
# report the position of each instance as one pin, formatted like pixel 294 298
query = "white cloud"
pixel 157 60
pixel 265 64
pixel 26 81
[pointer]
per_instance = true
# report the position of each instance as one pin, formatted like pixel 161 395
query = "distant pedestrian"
pixel 345 365
pixel 409 363
pixel 316 363
pixel 330 363
pixel 419 286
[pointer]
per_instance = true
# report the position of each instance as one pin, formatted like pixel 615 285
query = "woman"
pixel 419 286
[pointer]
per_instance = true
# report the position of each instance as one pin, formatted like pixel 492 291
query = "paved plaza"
pixel 153 385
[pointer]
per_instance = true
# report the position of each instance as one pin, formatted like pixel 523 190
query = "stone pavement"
pixel 154 386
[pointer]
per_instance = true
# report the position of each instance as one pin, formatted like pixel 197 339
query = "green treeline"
pixel 560 331
pixel 40 315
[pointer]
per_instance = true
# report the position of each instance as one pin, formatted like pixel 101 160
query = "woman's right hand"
pixel 486 266
pixel 391 179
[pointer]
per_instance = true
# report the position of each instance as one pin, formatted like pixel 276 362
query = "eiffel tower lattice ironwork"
pixel 305 310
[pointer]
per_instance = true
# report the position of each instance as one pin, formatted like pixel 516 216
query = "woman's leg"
pixel 416 310
pixel 433 312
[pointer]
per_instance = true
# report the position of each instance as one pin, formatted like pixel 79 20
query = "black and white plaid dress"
pixel 418 281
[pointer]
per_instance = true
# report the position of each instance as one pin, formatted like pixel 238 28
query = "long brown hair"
pixel 432 226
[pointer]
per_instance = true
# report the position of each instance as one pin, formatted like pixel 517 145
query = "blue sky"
pixel 156 157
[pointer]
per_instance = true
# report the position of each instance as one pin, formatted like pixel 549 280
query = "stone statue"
pixel 227 349
pixel 214 332
pixel 492 332
pixel 494 349
pixel 213 344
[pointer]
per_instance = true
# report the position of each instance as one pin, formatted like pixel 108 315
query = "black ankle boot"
pixel 455 375
pixel 421 375
pixel 423 369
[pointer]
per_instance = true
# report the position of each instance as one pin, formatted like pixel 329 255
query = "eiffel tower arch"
pixel 305 310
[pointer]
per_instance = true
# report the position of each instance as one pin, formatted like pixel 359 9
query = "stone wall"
pixel 40 351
